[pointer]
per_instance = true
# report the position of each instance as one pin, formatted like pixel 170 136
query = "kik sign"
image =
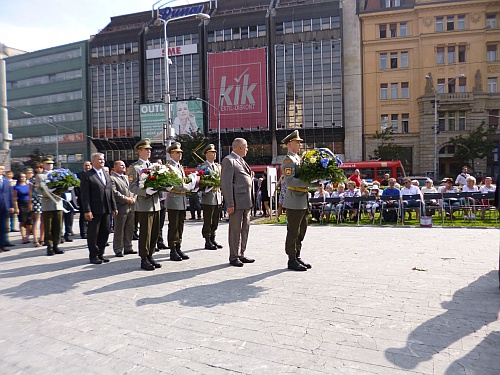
pixel 169 12
pixel 238 88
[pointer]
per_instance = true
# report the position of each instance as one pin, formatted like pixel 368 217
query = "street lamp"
pixel 167 61
pixel 436 163
pixel 218 121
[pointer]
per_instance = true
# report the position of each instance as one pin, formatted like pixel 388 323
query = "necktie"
pixel 101 176
pixel 148 164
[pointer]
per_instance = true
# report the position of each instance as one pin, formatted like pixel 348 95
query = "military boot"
pixel 307 265
pixel 174 255
pixel 212 239
pixel 153 262
pixel 179 251
pixel 146 264
pixel 209 245
pixel 293 264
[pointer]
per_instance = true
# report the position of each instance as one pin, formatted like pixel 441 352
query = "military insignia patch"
pixel 288 171
pixel 130 178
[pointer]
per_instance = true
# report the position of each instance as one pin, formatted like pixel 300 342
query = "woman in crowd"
pixel 317 207
pixel 23 206
pixel 351 192
pixel 469 187
pixel 448 204
pixel 430 205
pixel 36 203
pixel 373 204
pixel 339 208
pixel 486 188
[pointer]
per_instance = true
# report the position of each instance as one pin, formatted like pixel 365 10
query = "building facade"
pixel 416 51
pixel 47 104
pixel 297 47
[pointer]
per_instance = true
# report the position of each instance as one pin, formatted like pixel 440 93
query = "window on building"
pixel 461 22
pixel 439 24
pixel 461 120
pixel 279 28
pixel 404 59
pixel 440 55
pixel 382 29
pixel 384 122
pixel 461 54
pixel 391 3
pixel 405 90
pixel 394 90
pixel 462 84
pixel 440 83
pixel 383 61
pixel 383 91
pixel 395 123
pixel 403 31
pixel 394 60
pixel 451 54
pixel 491 52
pixel 441 120
pixel 451 85
pixel 493 118
pixel 405 123
pixel 491 21
pixel 492 85
pixel 451 121
pixel 393 27
pixel 450 23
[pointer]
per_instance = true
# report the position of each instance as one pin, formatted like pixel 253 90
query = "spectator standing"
pixel 23 206
pixel 212 202
pixel 125 203
pixel 52 208
pixel 237 189
pixel 265 196
pixel 385 181
pixel 13 182
pixel 6 209
pixel 98 204
pixel 296 203
pixel 461 179
pixel 194 205
pixel 36 205
pixel 356 177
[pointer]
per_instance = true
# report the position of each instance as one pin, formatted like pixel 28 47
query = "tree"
pixel 474 145
pixel 193 145
pixel 388 150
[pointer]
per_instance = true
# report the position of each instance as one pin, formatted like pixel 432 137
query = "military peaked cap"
pixel 293 136
pixel 176 146
pixel 143 143
pixel 210 147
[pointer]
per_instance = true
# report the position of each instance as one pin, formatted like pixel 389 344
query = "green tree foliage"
pixel 193 145
pixel 475 145
pixel 388 150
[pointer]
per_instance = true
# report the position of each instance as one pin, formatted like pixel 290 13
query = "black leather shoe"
pixel 50 250
pixel 58 251
pixel 146 265
pixel 174 255
pixel 307 265
pixel 209 245
pixel 135 236
pixel 236 263
pixel 293 264
pixel 179 251
pixel 62 240
pixel 9 244
pixel 161 246
pixel 246 260
pixel 153 262
pixel 119 255
pixel 219 246
pixel 2 249
pixel 95 261
pixel 128 252
pixel 67 239
pixel 104 259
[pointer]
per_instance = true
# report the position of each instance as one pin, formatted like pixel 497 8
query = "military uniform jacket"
pixel 214 196
pixel 296 196
pixel 143 202
pixel 121 191
pixel 176 198
pixel 48 204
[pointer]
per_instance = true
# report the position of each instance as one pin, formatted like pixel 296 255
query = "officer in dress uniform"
pixel 147 207
pixel 212 201
pixel 295 202
pixel 176 205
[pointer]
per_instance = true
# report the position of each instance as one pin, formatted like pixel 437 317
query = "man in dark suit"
pixel 98 203
pixel 87 166
pixel 6 208
pixel 237 189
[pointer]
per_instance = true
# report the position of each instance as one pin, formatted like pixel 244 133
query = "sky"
pixel 32 25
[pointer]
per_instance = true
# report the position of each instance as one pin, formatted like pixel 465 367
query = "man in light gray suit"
pixel 125 201
pixel 212 201
pixel 237 189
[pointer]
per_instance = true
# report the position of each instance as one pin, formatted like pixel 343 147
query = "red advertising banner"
pixel 238 89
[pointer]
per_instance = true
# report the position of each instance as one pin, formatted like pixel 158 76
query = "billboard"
pixel 238 88
pixel 186 116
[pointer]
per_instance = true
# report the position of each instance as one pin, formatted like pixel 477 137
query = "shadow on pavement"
pixel 470 309
pixel 221 293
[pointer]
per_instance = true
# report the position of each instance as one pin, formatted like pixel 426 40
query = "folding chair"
pixel 384 199
pixel 355 205
pixel 485 204
pixel 418 209
pixel 429 207
pixel 455 202
pixel 317 205
pixel 330 207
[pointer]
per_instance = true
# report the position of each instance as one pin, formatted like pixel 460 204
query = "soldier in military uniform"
pixel 295 202
pixel 176 205
pixel 212 202
pixel 52 209
pixel 147 207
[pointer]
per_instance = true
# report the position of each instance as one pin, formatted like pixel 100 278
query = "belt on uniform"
pixel 177 192
pixel 216 189
pixel 302 190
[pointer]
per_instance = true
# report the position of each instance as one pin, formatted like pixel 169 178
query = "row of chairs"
pixel 446 204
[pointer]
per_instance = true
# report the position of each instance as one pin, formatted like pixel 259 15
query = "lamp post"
pixel 435 127
pixel 218 122
pixel 167 61
pixel 57 140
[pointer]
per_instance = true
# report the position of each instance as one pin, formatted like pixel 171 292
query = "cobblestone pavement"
pixel 378 300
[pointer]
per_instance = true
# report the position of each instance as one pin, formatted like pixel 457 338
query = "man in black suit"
pixel 98 203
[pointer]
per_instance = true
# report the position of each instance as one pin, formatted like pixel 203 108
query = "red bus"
pixel 375 170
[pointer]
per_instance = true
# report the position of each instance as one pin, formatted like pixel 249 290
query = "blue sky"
pixel 32 25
